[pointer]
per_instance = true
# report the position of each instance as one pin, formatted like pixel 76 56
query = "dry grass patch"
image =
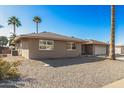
pixel 9 70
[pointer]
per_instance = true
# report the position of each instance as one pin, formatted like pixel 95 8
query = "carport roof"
pixel 95 42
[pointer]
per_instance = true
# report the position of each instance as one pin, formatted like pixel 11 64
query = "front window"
pixel 70 46
pixel 46 44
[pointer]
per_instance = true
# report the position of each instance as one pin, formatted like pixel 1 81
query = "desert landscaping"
pixel 80 72
pixel 82 58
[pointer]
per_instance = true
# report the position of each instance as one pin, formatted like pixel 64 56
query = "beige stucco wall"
pixel 58 51
pixel 99 50
pixel 22 48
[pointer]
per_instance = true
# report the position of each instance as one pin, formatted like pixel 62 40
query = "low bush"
pixel 9 70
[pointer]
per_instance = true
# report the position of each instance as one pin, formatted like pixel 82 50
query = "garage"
pixel 93 47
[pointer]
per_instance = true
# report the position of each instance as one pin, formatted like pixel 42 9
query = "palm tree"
pixel 15 22
pixel 1 26
pixel 112 42
pixel 37 20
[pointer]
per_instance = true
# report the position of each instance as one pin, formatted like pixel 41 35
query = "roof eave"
pixel 68 40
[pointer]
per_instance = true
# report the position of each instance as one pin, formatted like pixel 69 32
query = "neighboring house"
pixel 48 45
pixel 119 49
pixel 93 47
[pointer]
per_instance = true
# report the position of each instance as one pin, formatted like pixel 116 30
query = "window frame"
pixel 46 45
pixel 71 49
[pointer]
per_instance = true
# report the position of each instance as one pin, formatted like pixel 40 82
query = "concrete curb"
pixel 116 84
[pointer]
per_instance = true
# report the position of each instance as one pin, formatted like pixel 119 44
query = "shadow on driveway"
pixel 59 62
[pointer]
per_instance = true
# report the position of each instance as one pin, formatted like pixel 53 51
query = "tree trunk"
pixel 14 29
pixel 37 27
pixel 112 42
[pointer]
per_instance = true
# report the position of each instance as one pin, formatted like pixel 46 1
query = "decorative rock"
pixel 46 65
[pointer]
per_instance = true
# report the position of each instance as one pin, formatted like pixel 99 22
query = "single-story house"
pixel 119 49
pixel 52 45
pixel 94 47
pixel 48 45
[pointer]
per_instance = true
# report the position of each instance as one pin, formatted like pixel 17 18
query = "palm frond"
pixel 37 19
pixel 14 21
pixel 1 26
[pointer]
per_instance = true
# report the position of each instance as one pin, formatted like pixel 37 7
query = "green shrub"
pixel 9 70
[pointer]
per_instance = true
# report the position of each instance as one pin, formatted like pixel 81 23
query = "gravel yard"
pixel 79 72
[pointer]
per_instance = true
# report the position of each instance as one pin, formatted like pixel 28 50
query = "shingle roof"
pixel 95 42
pixel 49 35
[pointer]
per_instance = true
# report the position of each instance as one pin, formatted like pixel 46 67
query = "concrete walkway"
pixel 116 84
pixel 120 58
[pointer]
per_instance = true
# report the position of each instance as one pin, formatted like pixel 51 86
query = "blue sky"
pixel 85 22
